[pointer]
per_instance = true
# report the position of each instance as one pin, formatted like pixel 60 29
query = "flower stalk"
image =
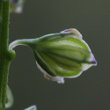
pixel 58 55
pixel 5 55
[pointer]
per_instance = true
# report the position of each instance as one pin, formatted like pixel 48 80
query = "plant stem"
pixel 4 53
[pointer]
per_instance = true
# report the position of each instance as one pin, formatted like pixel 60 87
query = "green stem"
pixel 24 42
pixel 4 53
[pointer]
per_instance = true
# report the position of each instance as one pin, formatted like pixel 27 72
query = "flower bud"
pixel 9 98
pixel 63 55
pixel 16 6
pixel 60 55
pixel 31 108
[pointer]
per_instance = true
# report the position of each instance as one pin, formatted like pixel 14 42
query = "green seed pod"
pixel 60 55
pixel 63 55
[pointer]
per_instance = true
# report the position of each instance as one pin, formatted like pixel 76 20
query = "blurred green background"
pixel 90 91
